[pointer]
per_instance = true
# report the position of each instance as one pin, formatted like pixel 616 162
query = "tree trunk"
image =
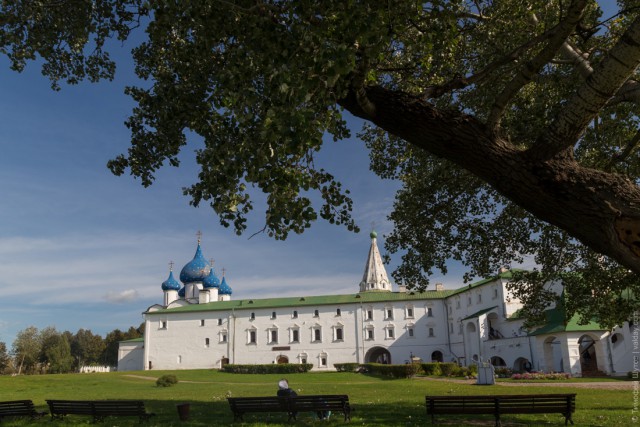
pixel 600 209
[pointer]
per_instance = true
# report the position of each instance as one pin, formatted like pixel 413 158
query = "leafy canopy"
pixel 263 82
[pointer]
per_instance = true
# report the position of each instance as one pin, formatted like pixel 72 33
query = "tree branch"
pixel 532 67
pixel 631 146
pixel 605 80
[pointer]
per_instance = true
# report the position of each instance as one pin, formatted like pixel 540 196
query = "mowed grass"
pixel 375 401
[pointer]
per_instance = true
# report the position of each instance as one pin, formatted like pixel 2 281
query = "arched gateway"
pixel 377 355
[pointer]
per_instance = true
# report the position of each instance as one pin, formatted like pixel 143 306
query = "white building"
pixel 199 326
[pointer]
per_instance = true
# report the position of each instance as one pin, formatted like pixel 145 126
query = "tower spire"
pixel 375 275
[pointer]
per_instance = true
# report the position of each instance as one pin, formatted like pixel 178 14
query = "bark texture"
pixel 600 209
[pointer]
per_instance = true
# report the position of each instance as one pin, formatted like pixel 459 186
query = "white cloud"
pixel 122 297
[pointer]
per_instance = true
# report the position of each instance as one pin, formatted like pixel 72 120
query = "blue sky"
pixel 82 248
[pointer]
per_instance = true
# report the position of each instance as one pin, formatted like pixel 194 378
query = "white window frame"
pixel 335 328
pixel 313 333
pixel 390 332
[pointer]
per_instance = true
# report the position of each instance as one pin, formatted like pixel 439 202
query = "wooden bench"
pixel 19 408
pixel 99 409
pixel 292 405
pixel 242 405
pixel 564 404
pixel 321 403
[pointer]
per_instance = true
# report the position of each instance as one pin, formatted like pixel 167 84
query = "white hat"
pixel 283 384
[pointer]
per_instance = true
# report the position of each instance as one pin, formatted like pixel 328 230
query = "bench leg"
pixel 498 423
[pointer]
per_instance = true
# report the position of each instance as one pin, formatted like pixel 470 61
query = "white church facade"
pixel 199 326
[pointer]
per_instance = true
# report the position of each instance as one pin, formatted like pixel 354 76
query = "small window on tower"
pixel 201 322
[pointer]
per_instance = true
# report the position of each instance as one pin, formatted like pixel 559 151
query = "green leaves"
pixel 258 86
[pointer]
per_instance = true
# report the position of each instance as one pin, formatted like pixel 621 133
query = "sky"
pixel 82 248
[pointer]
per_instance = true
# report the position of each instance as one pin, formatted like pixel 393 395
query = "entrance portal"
pixel 282 359
pixel 378 355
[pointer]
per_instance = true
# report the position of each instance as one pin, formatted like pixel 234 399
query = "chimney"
pixel 502 270
pixel 402 288
pixel 439 287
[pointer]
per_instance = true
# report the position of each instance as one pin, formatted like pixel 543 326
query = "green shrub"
pixel 431 368
pixel 473 369
pixel 448 369
pixel 274 368
pixel 166 381
pixel 394 371
pixel 346 367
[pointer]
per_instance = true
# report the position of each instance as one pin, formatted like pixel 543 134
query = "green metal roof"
pixel 141 339
pixel 555 322
pixel 480 313
pixel 364 297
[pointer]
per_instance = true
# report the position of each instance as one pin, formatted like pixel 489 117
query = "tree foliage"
pixel 512 125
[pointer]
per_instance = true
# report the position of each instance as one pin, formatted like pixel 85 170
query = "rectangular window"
pixel 390 333
pixel 458 304
pixel 410 332
pixel 273 315
pixel 317 334
pixel 338 312
pixel 369 334
pixel 389 313
pixel 294 315
pixel 223 337
pixel 274 336
pixel 369 314
pixel 495 293
pixel 410 312
pixel 431 332
pixel 316 313
pixel 206 342
pixel 430 312
pixel 252 337
pixel 219 322
pixel 295 335
pixel 469 301
pixel 252 316
pixel 201 322
pixel 339 336
pixel 163 324
pixel 323 361
pixel 479 298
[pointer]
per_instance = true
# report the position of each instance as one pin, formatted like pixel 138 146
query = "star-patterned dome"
pixel 181 292
pixel 225 289
pixel 171 284
pixel 196 270
pixel 211 281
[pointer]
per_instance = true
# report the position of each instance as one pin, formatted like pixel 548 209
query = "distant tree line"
pixel 48 351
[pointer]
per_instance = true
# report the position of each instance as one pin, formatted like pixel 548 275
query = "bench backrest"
pixel 261 404
pixel 73 407
pixel 17 408
pixel 319 402
pixel 118 407
pixel 502 403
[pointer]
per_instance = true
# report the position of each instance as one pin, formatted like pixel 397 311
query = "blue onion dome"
pixel 196 270
pixel 170 284
pixel 211 281
pixel 224 288
pixel 181 292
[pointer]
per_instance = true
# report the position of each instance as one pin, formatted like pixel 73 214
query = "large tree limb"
pixel 532 67
pixel 601 85
pixel 600 209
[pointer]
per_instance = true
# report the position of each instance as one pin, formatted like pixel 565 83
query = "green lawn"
pixel 375 401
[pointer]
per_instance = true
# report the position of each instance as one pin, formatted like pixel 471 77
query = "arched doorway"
pixel 378 355
pixel 282 359
pixel 437 356
pixel 498 362
pixel 522 365
pixel 553 354
pixel 588 358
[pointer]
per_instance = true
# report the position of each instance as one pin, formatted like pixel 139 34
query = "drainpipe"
pixel 233 344
pixel 358 344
